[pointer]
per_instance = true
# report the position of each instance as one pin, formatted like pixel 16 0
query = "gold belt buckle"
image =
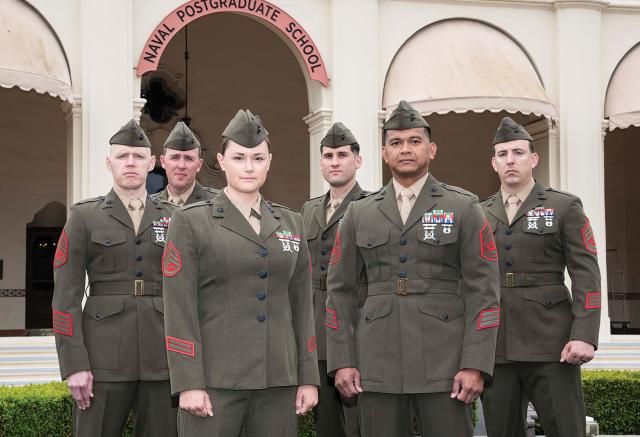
pixel 510 280
pixel 401 287
pixel 323 283
pixel 138 287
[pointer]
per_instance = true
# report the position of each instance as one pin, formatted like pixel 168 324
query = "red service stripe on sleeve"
pixel 62 323
pixel 311 344
pixel 488 318
pixel 331 320
pixel 181 346
pixel 593 300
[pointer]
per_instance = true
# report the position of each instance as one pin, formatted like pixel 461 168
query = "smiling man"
pixel 546 333
pixel 112 353
pixel 181 158
pixel 421 336
pixel 339 161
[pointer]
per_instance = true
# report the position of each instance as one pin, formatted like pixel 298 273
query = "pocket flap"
pixel 376 307
pixel 372 238
pixel 547 297
pixel 443 307
pixel 99 307
pixel 108 237
pixel 158 304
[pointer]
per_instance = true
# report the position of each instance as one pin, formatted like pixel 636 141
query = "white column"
pixel 354 81
pixel 107 63
pixel 138 104
pixel 579 61
pixel 554 153
pixel 319 121
pixel 73 119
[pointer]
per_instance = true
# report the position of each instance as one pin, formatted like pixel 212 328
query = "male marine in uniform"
pixel 546 332
pixel 181 158
pixel 425 338
pixel 112 354
pixel 339 160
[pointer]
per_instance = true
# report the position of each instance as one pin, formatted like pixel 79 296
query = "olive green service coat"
pixel 432 291
pixel 120 334
pixel 320 237
pixel 199 194
pixel 238 306
pixel 539 316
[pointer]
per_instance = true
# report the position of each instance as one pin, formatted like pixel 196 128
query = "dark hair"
pixel 225 143
pixel 355 148
pixel 426 133
pixel 532 148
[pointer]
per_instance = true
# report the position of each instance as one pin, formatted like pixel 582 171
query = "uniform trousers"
pixel 389 414
pixel 335 416
pixel 110 405
pixel 554 389
pixel 269 412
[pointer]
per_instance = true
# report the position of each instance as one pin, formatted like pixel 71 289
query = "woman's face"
pixel 246 169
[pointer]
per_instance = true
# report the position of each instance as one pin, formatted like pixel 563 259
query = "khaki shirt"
pixel 119 335
pixel 330 200
pixel 521 195
pixel 431 304
pixel 198 194
pixel 182 198
pixel 550 232
pixel 415 188
pixel 251 213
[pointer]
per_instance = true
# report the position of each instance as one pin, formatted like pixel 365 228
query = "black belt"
pixel 135 288
pixel 404 286
pixel 511 280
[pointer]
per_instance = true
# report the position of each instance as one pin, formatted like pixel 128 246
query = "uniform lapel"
pixel 164 194
pixel 427 199
pixel 196 195
pixel 339 213
pixel 151 212
pixel 269 220
pixel 535 198
pixel 320 211
pixel 388 205
pixel 496 208
pixel 116 209
pixel 232 218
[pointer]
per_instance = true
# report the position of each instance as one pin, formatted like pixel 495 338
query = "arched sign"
pixel 263 10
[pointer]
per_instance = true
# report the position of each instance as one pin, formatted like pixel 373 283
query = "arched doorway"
pixel 236 60
pixel 622 199
pixel 34 81
pixel 464 76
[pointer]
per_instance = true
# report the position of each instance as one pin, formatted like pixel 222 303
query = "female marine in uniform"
pixel 238 303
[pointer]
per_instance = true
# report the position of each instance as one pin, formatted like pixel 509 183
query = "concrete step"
pixel 28 360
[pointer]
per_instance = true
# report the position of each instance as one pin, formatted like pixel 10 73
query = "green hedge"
pixel 45 410
pixel 612 398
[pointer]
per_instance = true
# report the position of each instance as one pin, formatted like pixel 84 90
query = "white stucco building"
pixel 72 72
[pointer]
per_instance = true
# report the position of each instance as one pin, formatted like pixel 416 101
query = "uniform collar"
pixel 184 196
pixel 521 194
pixel 416 188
